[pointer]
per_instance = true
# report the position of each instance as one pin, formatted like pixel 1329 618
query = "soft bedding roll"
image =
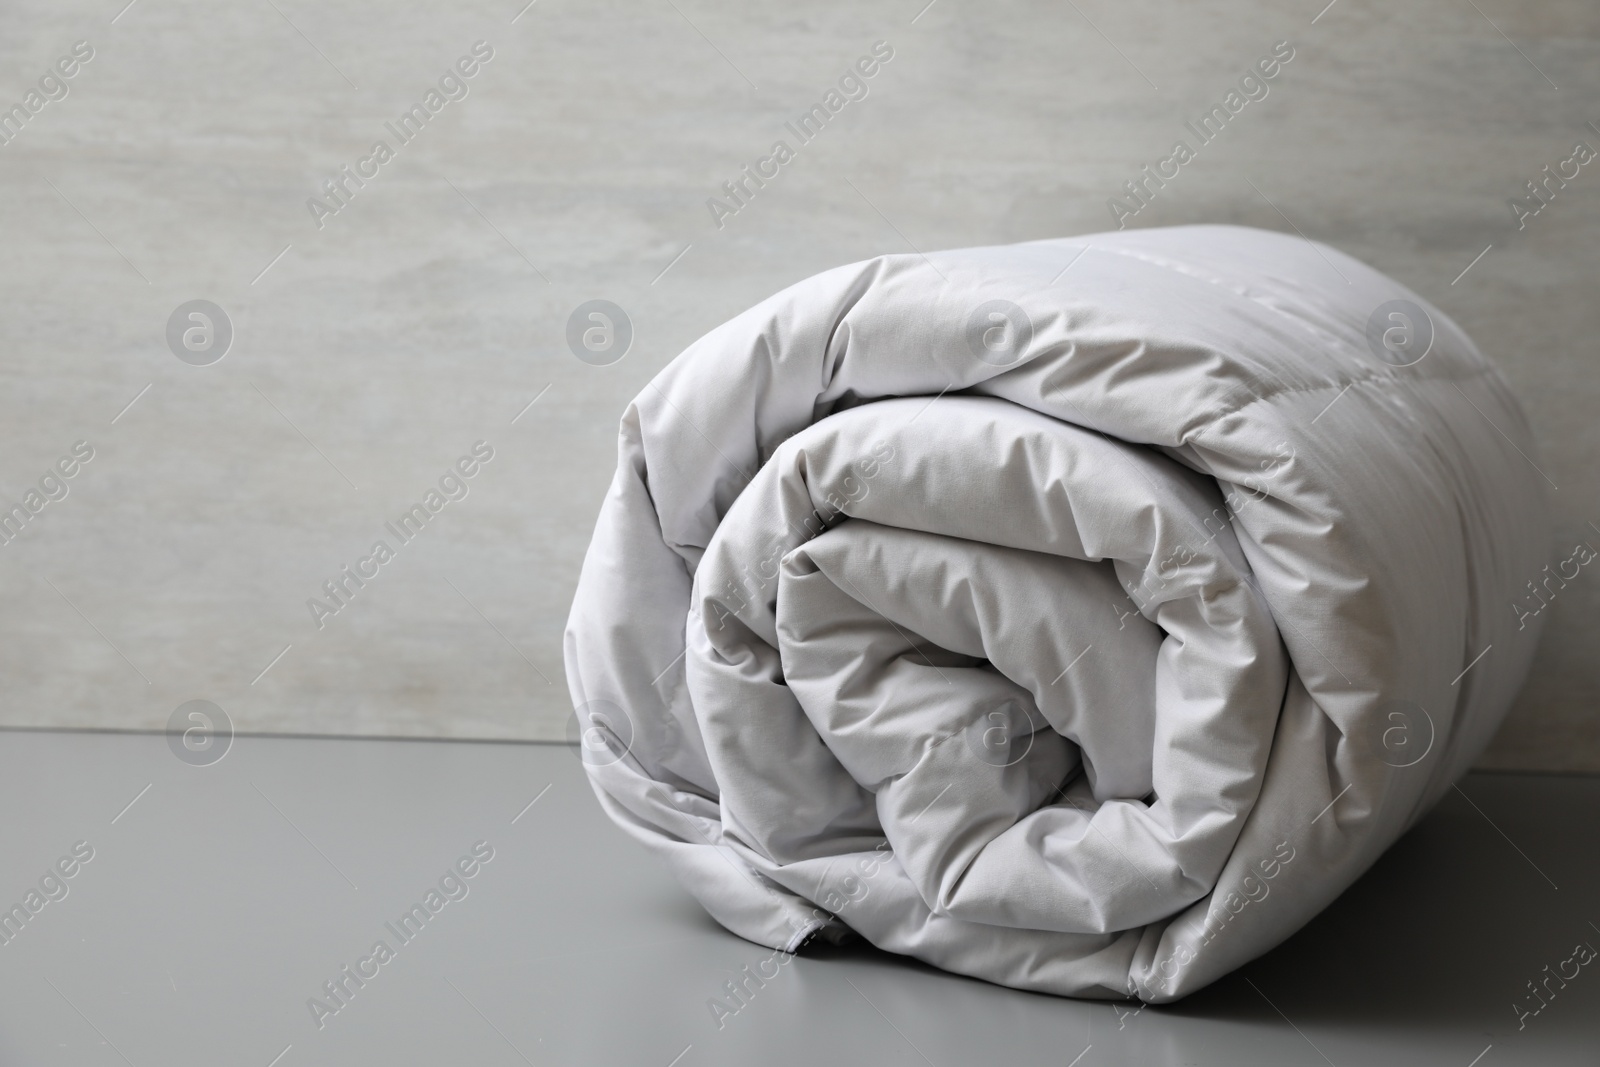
pixel 1082 615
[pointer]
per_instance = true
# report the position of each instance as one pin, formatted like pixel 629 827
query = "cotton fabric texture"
pixel 1082 615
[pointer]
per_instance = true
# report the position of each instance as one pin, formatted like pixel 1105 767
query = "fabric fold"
pixel 1052 627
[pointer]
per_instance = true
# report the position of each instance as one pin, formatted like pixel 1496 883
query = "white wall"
pixel 420 318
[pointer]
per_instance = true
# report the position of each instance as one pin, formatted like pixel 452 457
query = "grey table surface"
pixel 219 899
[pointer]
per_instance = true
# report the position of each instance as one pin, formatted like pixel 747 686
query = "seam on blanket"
pixel 1337 385
pixel 1221 283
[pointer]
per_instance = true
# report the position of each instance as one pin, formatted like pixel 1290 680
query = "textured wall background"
pixel 372 352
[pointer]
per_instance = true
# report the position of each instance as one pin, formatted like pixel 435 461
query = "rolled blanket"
pixel 1081 615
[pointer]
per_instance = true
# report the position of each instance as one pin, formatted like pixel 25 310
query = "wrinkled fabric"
pixel 1081 615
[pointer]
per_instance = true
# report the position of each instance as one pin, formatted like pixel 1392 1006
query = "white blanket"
pixel 1082 615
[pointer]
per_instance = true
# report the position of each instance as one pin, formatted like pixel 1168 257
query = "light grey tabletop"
pixel 219 899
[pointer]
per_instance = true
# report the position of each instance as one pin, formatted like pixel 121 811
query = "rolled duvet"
pixel 1081 615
